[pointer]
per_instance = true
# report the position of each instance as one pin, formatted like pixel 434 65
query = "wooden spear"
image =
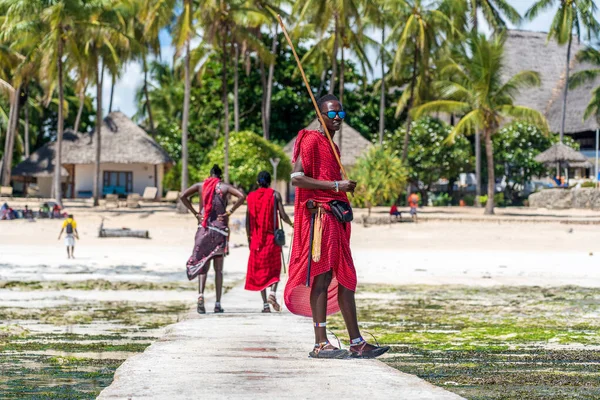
pixel 312 97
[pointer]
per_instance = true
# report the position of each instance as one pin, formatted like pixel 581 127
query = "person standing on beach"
pixel 264 263
pixel 70 226
pixel 319 190
pixel 213 231
pixel 413 203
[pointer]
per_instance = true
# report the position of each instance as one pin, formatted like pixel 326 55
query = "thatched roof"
pixel 532 51
pixel 123 142
pixel 577 101
pixel 353 146
pixel 41 162
pixel 560 152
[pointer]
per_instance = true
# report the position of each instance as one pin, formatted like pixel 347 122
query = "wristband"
pixel 337 186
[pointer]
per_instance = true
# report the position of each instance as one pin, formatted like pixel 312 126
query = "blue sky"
pixel 132 77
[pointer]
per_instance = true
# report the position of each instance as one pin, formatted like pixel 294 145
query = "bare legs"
pixel 263 294
pixel 346 301
pixel 318 304
pixel 348 309
pixel 218 267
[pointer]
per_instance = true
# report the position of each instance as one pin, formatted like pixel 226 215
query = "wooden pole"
pixel 312 97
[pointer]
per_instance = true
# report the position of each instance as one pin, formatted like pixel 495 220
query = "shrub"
pixel 249 154
pixel 380 177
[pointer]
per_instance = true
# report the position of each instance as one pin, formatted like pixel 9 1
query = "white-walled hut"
pixel 130 161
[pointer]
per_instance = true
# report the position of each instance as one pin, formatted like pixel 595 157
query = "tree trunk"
pixel 322 84
pixel 61 122
pixel 147 95
pixel 112 92
pixel 26 128
pixel 185 120
pixel 99 83
pixel 236 90
pixel 80 110
pixel 225 109
pixel 413 83
pixel 11 132
pixel 341 94
pixel 334 58
pixel 477 169
pixel 270 85
pixel 566 90
pixel 382 98
pixel 263 100
pixel 489 152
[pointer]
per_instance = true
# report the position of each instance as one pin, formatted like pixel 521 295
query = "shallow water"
pixel 66 339
pixel 489 343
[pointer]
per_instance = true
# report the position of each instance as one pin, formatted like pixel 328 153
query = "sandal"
pixel 218 309
pixel 328 351
pixel 266 308
pixel 273 301
pixel 357 350
pixel 201 309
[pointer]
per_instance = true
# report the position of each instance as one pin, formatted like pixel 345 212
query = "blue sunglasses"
pixel 332 114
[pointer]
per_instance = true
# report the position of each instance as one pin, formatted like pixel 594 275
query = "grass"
pixel 489 343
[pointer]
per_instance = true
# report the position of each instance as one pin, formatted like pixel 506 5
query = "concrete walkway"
pixel 244 354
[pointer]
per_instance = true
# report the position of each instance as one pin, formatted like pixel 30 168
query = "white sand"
pixel 470 253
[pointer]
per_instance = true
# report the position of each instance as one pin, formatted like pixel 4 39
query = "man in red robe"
pixel 318 181
pixel 264 264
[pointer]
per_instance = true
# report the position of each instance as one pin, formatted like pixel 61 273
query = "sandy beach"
pixel 430 252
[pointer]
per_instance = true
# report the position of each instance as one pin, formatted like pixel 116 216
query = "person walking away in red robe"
pixel 264 263
pixel 213 231
pixel 317 178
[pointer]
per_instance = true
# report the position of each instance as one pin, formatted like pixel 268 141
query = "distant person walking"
pixel 69 226
pixel 413 203
pixel 213 231
pixel 264 264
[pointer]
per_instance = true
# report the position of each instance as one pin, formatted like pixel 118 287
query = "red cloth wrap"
pixel 208 192
pixel 264 264
pixel 319 163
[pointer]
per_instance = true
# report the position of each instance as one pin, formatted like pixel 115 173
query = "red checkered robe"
pixel 318 162
pixel 264 264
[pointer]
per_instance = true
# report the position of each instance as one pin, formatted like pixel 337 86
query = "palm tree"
pixel 345 18
pixel 572 15
pixel 50 21
pixel 492 11
pixel 473 88
pixel 104 38
pixel 418 36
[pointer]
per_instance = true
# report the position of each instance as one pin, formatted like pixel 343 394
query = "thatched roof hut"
pixel 130 159
pixel 560 152
pixel 353 145
pixel 123 142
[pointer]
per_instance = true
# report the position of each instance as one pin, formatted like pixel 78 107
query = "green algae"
pixel 489 343
pixel 65 365
pixel 98 284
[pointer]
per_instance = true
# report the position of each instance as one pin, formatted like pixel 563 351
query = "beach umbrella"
pixel 560 153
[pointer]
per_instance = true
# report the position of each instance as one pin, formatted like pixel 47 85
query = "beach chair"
pixel 150 193
pixel 172 196
pixel 133 200
pixel 33 191
pixel 6 191
pixel 112 200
